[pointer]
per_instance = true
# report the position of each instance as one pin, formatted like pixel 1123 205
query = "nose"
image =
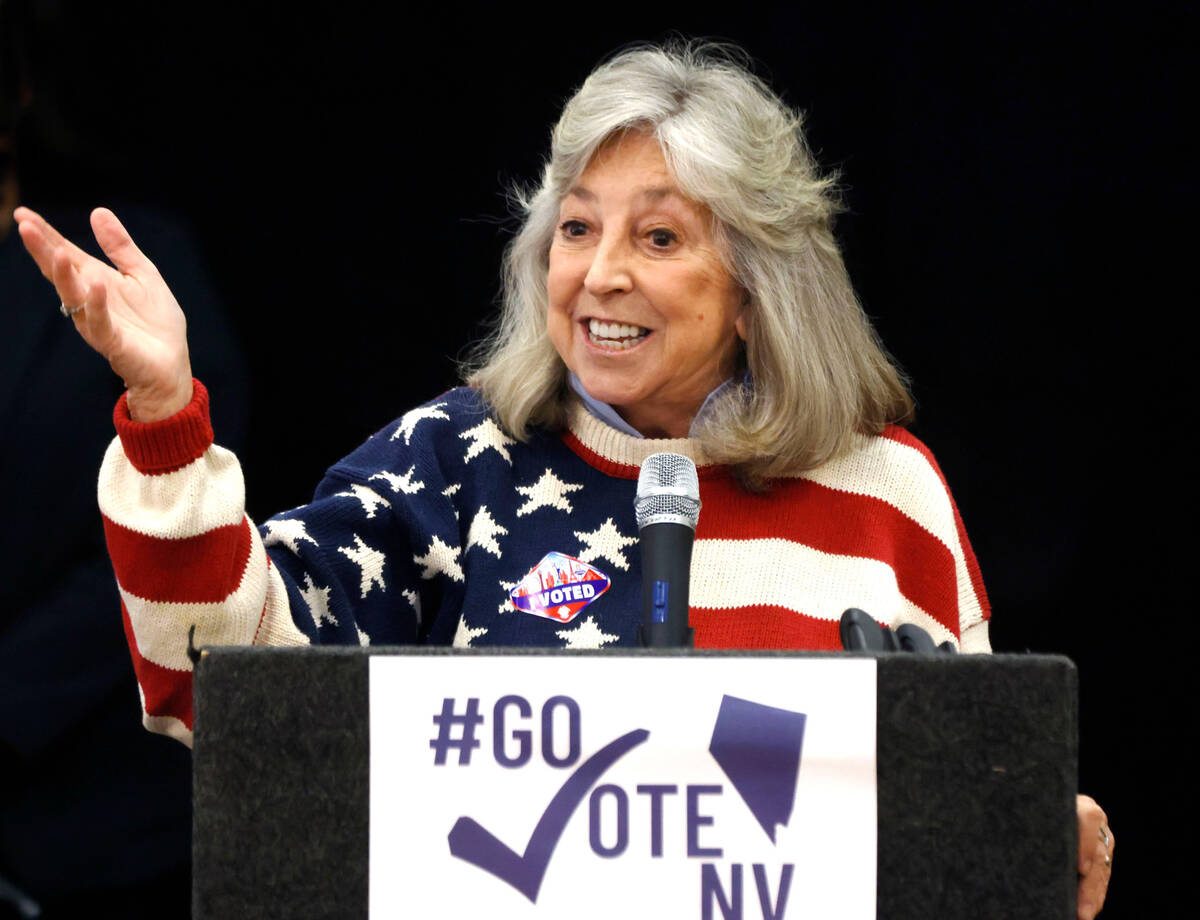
pixel 610 271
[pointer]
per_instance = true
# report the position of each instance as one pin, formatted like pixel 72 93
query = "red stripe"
pixel 203 569
pixel 834 522
pixel 166 692
pixel 611 467
pixel 840 523
pixel 903 436
pixel 763 627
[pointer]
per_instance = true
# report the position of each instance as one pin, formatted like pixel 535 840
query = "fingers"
pixel 117 244
pixel 79 279
pixel 37 246
pixel 52 236
pixel 71 287
pixel 75 290
pixel 45 243
pixel 1096 847
pixel 1092 890
pixel 1091 842
pixel 94 322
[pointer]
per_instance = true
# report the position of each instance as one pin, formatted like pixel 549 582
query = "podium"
pixel 976 766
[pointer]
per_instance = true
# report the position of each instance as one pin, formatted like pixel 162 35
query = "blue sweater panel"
pixel 419 535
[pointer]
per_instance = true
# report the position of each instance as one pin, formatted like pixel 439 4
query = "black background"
pixel 1018 191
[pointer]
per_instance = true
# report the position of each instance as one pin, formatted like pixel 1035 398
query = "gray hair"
pixel 819 373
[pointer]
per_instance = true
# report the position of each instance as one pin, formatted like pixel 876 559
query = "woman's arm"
pixel 191 567
pixel 194 571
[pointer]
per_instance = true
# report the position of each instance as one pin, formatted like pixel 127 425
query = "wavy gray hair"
pixel 819 373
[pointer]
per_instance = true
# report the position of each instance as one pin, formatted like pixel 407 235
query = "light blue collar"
pixel 607 414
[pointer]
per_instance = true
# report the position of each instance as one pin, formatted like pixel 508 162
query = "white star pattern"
pixel 409 420
pixel 369 497
pixel 548 491
pixel 414 600
pixel 287 531
pixel 363 638
pixel 483 532
pixel 318 602
pixel 450 491
pixel 403 483
pixel 605 541
pixel 370 563
pixel 440 558
pixel 586 635
pixel 464 634
pixel 507 606
pixel 484 435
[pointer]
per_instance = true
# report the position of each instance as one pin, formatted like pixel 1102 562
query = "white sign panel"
pixel 613 787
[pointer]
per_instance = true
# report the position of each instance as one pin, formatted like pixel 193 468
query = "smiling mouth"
pixel 614 336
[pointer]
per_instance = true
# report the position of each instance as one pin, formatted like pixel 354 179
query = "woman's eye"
pixel 573 228
pixel 661 239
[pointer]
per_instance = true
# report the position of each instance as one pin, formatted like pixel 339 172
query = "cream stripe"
pixel 205 494
pixel 160 628
pixel 168 725
pixel 899 475
pixel 165 725
pixel 902 476
pixel 622 448
pixel 278 628
pixel 736 573
pixel 975 640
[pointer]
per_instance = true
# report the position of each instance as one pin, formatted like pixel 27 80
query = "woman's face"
pixel 642 309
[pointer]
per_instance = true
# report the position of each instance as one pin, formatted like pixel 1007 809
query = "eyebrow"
pixel 653 193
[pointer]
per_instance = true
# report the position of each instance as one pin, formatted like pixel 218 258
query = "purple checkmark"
pixel 470 841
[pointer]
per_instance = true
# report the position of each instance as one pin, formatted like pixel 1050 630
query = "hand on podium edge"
pixel 1096 847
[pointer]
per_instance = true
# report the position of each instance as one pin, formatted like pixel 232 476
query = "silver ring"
pixel 1107 860
pixel 1104 836
pixel 68 312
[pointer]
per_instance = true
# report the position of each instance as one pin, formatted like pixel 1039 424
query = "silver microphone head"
pixel 668 491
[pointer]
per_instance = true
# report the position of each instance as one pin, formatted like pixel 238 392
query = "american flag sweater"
pixel 421 535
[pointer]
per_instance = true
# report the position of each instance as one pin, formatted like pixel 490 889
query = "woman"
pixel 675 286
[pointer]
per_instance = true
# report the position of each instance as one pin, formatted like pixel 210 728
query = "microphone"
pixel 667 508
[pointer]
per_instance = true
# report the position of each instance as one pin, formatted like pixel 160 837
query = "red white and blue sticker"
pixel 558 587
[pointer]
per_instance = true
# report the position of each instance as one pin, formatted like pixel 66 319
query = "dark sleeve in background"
pixel 1013 185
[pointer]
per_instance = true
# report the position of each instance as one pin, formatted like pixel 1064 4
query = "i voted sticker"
pixel 558 587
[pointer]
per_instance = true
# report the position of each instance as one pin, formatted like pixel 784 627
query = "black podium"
pixel 976 761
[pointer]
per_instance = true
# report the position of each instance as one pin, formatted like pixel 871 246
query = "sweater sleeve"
pixel 190 566
pixel 356 564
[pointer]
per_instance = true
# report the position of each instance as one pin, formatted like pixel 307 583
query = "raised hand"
pixel 126 313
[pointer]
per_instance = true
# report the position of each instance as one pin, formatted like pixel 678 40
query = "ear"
pixel 739 322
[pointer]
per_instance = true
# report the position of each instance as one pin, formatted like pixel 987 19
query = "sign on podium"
pixel 713 785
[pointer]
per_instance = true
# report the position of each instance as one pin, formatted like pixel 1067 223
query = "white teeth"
pixel 615 335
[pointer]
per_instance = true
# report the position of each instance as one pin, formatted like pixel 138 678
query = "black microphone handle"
pixel 667 558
